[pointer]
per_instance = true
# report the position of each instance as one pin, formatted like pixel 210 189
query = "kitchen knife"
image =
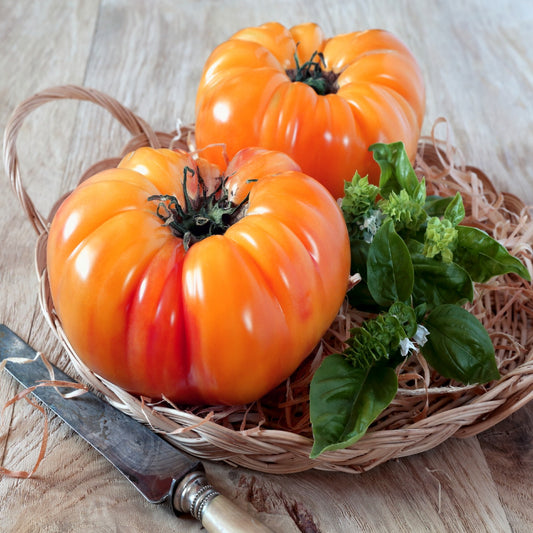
pixel 156 468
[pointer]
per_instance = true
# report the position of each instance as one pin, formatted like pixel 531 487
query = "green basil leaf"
pixel 345 400
pixel 415 246
pixel 359 255
pixel 437 283
pixel 421 311
pixel 455 211
pixel 360 298
pixel 419 193
pixel 396 170
pixel 483 257
pixel 389 267
pixel 458 346
pixel 435 206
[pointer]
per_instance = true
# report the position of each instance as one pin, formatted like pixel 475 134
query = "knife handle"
pixel 218 514
pixel 221 515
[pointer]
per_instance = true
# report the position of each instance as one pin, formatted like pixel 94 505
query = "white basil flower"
pixel 406 345
pixel 421 335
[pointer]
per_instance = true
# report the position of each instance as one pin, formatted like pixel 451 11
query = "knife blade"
pixel 158 470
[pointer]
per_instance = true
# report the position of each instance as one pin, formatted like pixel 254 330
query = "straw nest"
pixel 273 434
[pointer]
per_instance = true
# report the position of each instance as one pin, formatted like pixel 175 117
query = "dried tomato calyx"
pixel 312 74
pixel 201 216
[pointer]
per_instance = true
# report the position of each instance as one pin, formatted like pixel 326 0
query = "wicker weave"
pixel 273 435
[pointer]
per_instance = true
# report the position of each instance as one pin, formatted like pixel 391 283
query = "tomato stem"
pixel 201 216
pixel 311 73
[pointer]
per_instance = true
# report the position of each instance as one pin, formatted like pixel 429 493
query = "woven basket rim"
pixel 277 450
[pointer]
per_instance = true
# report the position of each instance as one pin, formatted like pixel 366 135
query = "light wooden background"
pixel 478 63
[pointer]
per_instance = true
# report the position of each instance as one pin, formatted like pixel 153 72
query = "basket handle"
pixel 133 123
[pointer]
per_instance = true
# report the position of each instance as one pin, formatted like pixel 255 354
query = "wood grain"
pixel 478 64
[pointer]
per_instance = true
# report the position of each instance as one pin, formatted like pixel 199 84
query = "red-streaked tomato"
pixel 322 101
pixel 173 279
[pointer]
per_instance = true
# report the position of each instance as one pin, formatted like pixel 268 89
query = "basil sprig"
pixel 418 266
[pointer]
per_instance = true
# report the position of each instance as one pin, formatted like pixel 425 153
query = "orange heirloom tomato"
pixel 172 280
pixel 322 101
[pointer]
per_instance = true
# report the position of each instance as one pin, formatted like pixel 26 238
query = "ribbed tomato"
pixel 322 101
pixel 172 280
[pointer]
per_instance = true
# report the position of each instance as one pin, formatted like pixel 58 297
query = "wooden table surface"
pixel 477 58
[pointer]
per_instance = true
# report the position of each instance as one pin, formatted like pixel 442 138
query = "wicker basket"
pixel 273 435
